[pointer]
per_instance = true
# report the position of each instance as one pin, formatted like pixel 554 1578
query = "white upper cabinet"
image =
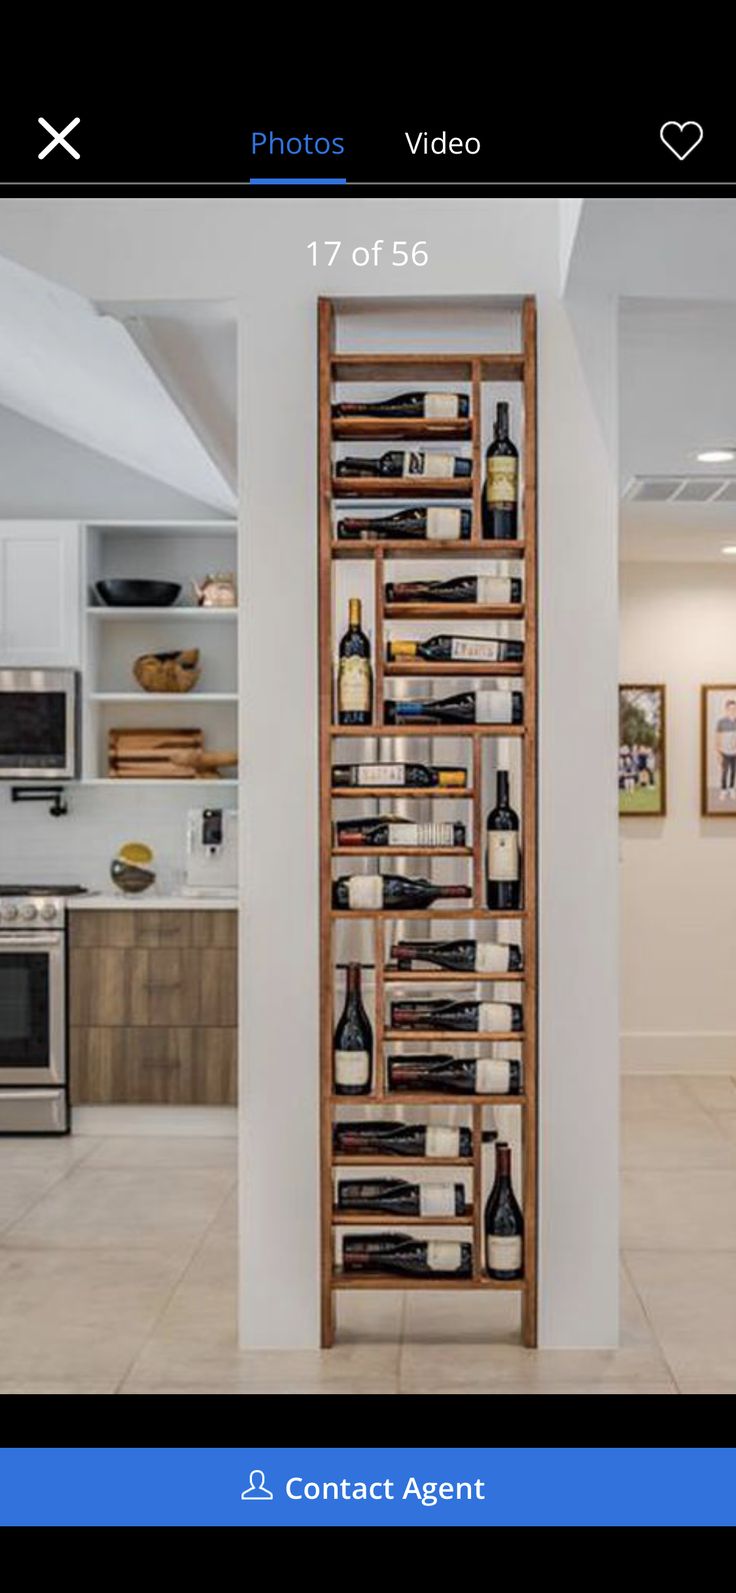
pixel 39 593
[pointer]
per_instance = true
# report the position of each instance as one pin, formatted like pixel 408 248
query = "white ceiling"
pixel 677 397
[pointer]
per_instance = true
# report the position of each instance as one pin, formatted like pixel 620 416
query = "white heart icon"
pixel 691 134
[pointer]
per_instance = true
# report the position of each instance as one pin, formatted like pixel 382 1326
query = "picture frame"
pixel 718 751
pixel 642 761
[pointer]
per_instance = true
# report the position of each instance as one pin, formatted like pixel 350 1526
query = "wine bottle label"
pixel 352 1068
pixel 381 773
pixel 503 854
pixel 495 1016
pixel 354 685
pixel 502 479
pixel 444 1256
pixel 503 1254
pixel 492 1075
pixel 441 406
pixel 421 834
pixel 436 1200
pixel 469 650
pixel 440 1141
pixel 491 957
pixel 443 525
pixel 435 466
pixel 365 891
pixel 493 589
pixel 494 707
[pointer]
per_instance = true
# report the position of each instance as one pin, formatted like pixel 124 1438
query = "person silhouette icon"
pixel 256 1489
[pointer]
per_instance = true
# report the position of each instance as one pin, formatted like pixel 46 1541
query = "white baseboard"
pixel 213 1122
pixel 654 1051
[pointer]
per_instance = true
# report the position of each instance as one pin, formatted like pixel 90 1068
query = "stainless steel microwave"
pixel 39 730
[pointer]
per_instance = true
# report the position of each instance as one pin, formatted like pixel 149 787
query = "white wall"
pixel 678 926
pixel 256 252
pixel 79 848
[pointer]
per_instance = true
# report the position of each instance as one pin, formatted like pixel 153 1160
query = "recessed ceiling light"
pixel 717 456
pixel 728 550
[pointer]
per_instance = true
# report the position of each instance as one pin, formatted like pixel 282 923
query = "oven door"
pixel 38 724
pixel 32 1008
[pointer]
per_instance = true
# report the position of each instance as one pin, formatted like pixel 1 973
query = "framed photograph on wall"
pixel 642 760
pixel 718 752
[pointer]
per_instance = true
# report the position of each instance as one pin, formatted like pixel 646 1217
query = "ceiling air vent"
pixel 681 489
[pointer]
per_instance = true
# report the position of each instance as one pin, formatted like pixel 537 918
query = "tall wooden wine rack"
pixel 485 377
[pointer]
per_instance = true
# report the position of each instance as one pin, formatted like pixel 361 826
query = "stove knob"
pixel 28 910
pixel 9 911
pixel 48 910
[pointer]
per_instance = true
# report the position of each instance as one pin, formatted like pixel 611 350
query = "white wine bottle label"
pixel 502 479
pixel 491 957
pixel 354 685
pixel 470 650
pixel 443 525
pixel 503 854
pixel 352 1068
pixel 443 1256
pixel 440 406
pixel 435 466
pixel 494 707
pixel 441 1141
pixel 436 1200
pixel 494 589
pixel 365 891
pixel 496 1017
pixel 381 773
pixel 492 1076
pixel 421 834
pixel 504 1254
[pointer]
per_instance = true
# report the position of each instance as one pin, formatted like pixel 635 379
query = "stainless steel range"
pixel 34 1097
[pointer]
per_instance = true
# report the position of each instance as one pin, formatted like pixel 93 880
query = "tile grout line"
pixel 47 1190
pixel 145 1341
pixel 630 1279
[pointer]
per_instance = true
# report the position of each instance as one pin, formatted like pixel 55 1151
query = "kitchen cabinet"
pixel 153 1006
pixel 39 594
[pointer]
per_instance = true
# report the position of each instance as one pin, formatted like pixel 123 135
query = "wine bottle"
pixel 407 406
pixel 503 858
pixel 501 486
pixel 464 708
pixel 431 524
pixel 440 1074
pixel 504 1223
pixel 400 1253
pixel 435 1141
pixel 354 674
pixel 400 1197
pixel 353 1042
pixel 488 591
pixel 463 956
pixel 406 462
pixel 398 774
pixel 393 830
pixel 457 650
pixel 368 892
pixel 475 1017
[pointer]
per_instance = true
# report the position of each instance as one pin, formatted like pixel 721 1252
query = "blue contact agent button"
pixel 256 1492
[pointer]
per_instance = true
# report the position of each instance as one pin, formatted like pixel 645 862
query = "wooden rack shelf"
pixel 415 428
pixel 469 548
pixel 339 375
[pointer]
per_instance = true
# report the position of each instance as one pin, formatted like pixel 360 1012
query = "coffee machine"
pixel 212 852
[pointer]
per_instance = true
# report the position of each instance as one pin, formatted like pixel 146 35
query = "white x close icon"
pixel 59 138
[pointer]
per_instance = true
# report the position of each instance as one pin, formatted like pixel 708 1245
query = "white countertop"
pixel 99 901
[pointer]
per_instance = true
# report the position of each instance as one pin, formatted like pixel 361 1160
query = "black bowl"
pixel 138 594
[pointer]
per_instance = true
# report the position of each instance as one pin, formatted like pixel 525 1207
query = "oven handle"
pixel 33 940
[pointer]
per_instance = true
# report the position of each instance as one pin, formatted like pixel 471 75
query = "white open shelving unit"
pixel 113 638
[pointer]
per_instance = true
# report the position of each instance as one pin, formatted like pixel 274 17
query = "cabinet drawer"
pixel 152 928
pixel 110 986
pixel 164 1066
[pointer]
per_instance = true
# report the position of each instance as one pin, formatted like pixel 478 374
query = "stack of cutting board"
pixel 146 754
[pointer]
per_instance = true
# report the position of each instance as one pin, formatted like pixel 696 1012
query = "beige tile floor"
pixel 117 1274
